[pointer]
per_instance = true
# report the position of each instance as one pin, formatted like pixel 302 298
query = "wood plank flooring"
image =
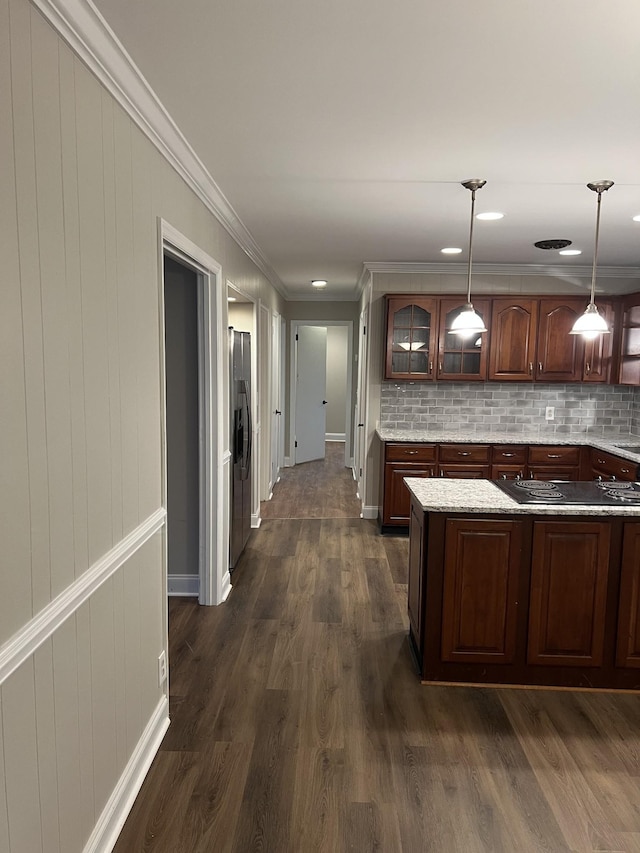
pixel 299 725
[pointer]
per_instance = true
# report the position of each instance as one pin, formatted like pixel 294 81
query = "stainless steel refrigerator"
pixel 241 429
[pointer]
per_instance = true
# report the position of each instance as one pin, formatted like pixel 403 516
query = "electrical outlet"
pixel 162 668
pixel 549 413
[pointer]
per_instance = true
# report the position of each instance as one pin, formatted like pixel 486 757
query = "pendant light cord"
pixel 595 249
pixel 473 205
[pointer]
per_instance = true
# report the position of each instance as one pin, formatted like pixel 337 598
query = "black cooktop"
pixel 609 493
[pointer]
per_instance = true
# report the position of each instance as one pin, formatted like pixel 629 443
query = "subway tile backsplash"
pixel 513 406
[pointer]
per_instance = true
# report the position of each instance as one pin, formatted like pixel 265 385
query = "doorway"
pixel 320 389
pixel 182 428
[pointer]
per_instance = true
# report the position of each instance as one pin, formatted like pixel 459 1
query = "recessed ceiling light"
pixel 636 218
pixel 451 251
pixel 318 282
pixel 231 299
pixel 490 215
pixel 570 252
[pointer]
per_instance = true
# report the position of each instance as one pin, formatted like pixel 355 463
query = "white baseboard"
pixel 110 823
pixel 287 462
pixel 226 586
pixel 256 521
pixel 369 511
pixel 335 436
pixel 183 585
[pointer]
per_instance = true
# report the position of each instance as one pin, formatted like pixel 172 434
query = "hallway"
pixel 299 725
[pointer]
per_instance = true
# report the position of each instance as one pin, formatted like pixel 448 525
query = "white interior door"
pixel 276 401
pixel 311 381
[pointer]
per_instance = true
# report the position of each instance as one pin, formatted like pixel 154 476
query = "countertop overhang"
pixel 483 496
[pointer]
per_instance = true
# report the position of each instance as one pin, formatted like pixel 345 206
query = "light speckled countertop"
pixel 612 443
pixel 483 496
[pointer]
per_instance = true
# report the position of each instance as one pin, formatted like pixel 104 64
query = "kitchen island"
pixel 509 593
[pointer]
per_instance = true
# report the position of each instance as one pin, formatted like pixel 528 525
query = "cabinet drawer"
pixel 410 452
pixel 464 453
pixel 509 454
pixel 548 455
pixel 613 466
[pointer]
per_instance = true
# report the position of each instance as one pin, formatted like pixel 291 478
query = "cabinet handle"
pixel 613 477
pixel 554 456
pixel 411 452
pixel 588 368
pixel 430 367
pixel 440 366
pixel 600 461
pixel 540 366
pixel 464 453
pixel 508 455
pixel 530 367
pixel 625 470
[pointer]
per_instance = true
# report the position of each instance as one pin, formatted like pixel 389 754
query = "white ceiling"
pixel 339 130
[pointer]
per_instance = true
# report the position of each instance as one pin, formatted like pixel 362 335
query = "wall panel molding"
pixel 114 814
pixel 24 643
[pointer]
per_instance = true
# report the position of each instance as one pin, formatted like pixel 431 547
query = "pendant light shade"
pixel 592 323
pixel 468 322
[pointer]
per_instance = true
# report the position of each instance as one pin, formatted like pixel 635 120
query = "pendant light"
pixel 468 322
pixel 591 323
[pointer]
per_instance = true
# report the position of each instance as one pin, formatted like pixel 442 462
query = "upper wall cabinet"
pixel 462 357
pixel 528 339
pixel 630 347
pixel 412 334
pixel 421 347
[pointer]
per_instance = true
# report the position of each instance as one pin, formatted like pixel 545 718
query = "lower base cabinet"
pixel 525 600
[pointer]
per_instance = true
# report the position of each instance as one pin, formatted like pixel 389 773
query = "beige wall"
pixel 82 190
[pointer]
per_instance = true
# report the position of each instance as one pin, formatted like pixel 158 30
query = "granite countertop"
pixel 483 496
pixel 611 443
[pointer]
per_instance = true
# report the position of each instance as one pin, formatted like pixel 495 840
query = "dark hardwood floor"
pixel 299 725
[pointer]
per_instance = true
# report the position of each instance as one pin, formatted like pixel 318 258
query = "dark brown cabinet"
pixel 412 337
pixel 629 371
pixel 569 578
pixel 464 461
pixel 462 357
pixel 514 325
pixel 525 598
pixel 628 646
pixel 559 355
pixel 400 461
pixel 553 463
pixel 606 466
pixel 482 563
pixel 509 462
pixel 597 363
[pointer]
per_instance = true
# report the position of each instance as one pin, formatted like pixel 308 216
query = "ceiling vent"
pixel 552 244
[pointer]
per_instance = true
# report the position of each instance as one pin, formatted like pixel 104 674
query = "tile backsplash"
pixel 513 406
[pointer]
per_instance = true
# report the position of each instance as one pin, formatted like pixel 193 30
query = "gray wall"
pixel 82 191
pixel 337 369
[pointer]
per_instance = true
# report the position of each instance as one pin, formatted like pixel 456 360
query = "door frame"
pixel 214 458
pixel 348 428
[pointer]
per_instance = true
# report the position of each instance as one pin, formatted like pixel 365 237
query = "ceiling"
pixel 340 130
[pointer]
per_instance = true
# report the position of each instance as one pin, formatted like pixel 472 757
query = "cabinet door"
pixel 553 472
pixel 462 357
pixel 628 647
pixel 480 595
pixel 512 350
pixel 630 345
pixel 598 353
pixel 416 574
pixel 464 472
pixel 412 329
pixel 508 472
pixel 397 499
pixel 569 575
pixel 559 354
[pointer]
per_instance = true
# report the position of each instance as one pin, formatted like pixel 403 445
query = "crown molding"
pixel 558 271
pixel 88 34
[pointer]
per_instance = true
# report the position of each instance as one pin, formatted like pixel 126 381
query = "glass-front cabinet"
pixel 462 356
pixel 412 324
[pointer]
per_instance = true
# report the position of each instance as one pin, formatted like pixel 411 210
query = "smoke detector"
pixel 552 244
